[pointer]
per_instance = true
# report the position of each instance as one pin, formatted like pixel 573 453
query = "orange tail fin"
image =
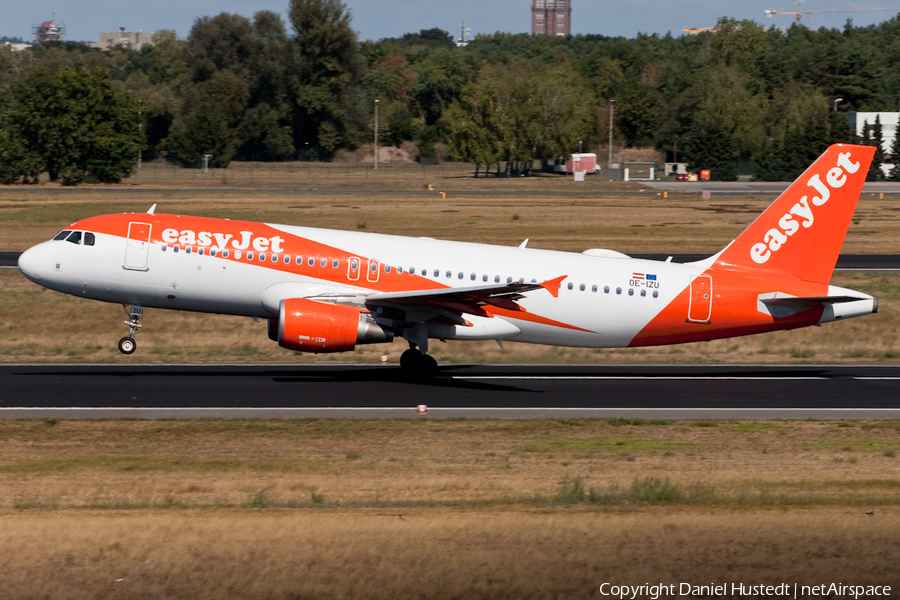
pixel 802 232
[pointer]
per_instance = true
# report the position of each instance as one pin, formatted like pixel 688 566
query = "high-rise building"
pixel 551 17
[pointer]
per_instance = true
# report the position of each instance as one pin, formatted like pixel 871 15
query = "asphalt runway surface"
pixel 459 391
pixel 846 262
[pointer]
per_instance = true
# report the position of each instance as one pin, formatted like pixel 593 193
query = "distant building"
pixel 551 17
pixel 889 121
pixel 48 31
pixel 17 47
pixel 134 40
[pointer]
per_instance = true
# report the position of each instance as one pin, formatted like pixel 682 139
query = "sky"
pixel 376 19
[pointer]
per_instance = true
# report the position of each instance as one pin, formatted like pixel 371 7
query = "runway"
pixel 460 391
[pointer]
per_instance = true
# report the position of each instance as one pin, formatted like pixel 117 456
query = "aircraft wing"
pixel 470 300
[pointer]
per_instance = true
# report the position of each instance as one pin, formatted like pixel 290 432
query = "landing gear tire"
pixel 127 345
pixel 417 365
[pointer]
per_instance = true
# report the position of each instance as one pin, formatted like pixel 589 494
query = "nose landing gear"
pixel 127 345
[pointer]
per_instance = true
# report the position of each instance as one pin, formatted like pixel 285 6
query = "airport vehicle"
pixel 328 291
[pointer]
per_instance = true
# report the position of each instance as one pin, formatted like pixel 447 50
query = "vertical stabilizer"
pixel 802 232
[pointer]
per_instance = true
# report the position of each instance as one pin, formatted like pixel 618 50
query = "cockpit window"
pixel 74 237
pixel 62 234
pixel 88 238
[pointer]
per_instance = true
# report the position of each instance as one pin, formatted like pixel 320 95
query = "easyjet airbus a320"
pixel 327 291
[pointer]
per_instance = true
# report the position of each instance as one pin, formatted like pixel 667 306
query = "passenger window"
pixel 323 262
pixel 581 287
pixel 399 270
pixel 262 256
pixel 459 275
pixel 606 289
pixel 373 267
pixel 387 268
pixel 274 258
pixel 175 248
pixel 224 253
pixel 412 270
pixel 212 252
pixel 509 280
pixel 187 250
pixel 472 276
pixel 534 281
pixel 484 277
pixel 62 235
pixel 619 291
pixel 449 274
pixel 522 280
pixel 436 273
pixel 655 294
pixel 631 291
pixel 74 237
pixel 249 256
pixel 643 293
pixel 200 251
pixel 299 260
pixel 163 247
pixel 88 238
pixel 593 288
pixel 311 262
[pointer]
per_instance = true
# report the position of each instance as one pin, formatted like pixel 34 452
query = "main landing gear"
pixel 418 365
pixel 127 345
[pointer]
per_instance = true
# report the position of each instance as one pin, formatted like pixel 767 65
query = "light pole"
pixel 835 102
pixel 376 135
pixel 611 104
pixel 140 129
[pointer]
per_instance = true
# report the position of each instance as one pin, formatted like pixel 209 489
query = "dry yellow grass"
pixel 402 463
pixel 436 554
pixel 436 509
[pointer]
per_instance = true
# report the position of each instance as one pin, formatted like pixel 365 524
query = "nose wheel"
pixel 127 345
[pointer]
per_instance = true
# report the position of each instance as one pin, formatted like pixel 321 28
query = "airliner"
pixel 326 290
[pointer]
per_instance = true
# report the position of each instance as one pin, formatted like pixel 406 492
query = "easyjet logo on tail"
pixel 775 238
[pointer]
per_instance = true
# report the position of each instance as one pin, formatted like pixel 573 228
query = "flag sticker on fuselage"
pixel 644 280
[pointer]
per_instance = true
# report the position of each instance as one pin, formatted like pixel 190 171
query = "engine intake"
pixel 311 326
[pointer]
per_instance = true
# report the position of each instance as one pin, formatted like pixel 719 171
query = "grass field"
pixel 440 509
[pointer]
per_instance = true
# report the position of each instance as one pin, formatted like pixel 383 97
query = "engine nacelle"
pixel 311 326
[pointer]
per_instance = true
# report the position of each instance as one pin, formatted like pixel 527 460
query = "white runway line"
pixel 662 378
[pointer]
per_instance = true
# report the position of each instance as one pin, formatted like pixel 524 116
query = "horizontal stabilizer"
pixel 814 300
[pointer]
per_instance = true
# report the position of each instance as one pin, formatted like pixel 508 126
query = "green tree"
pixel 875 171
pixel 325 75
pixel 70 123
pixel 895 158
pixel 204 131
pixel 710 146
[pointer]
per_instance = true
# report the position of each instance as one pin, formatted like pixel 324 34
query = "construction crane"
pixel 798 14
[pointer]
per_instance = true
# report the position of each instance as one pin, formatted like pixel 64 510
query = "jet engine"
pixel 311 326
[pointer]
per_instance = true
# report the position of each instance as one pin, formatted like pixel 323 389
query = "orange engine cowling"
pixel 310 326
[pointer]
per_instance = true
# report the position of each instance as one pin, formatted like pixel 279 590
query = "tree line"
pixel 742 99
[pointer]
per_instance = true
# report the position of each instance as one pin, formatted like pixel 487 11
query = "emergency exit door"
pixel 700 306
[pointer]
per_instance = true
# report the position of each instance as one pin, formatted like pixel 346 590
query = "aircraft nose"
pixel 31 263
